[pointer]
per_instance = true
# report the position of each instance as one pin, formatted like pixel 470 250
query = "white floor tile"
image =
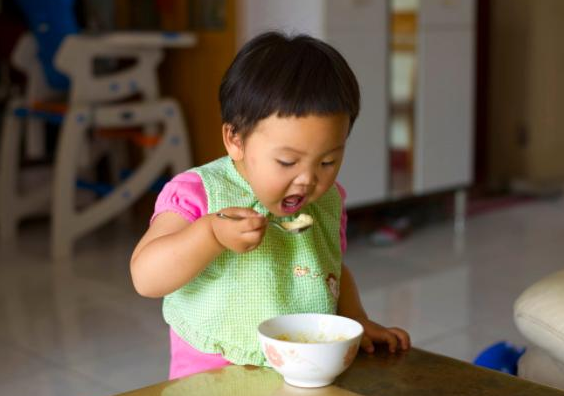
pixel 133 369
pixel 16 362
pixel 55 382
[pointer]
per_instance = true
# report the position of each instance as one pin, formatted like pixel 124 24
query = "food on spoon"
pixel 303 220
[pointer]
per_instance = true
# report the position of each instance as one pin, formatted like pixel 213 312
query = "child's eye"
pixel 285 163
pixel 328 163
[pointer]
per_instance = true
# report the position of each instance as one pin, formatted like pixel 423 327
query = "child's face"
pixel 290 161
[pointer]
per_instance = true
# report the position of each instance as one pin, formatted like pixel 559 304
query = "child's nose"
pixel 308 177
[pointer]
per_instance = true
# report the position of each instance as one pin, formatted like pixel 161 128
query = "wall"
pixel 525 92
pixel 546 76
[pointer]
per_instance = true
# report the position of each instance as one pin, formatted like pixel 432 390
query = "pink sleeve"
pixel 185 195
pixel 343 231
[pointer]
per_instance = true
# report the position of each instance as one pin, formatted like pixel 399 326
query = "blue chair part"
pixel 501 356
pixel 50 21
pixel 52 118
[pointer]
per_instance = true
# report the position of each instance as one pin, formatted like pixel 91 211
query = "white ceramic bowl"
pixel 310 350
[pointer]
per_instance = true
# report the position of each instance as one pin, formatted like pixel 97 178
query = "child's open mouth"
pixel 292 203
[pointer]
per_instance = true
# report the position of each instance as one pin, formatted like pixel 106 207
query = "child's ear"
pixel 232 142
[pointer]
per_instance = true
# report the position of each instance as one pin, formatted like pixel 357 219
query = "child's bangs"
pixel 301 86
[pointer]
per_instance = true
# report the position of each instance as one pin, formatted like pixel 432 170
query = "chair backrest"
pixel 50 21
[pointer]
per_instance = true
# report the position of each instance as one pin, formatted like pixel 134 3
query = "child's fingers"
pixel 246 219
pixel 392 341
pixel 255 223
pixel 381 335
pixel 366 344
pixel 402 336
pixel 393 336
pixel 252 237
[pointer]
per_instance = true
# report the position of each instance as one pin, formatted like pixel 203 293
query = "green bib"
pixel 219 310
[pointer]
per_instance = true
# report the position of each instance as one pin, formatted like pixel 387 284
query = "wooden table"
pixel 415 372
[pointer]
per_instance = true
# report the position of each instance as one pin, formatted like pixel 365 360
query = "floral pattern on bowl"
pixel 273 356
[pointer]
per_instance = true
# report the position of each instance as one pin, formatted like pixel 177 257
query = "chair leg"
pixel 16 204
pixel 67 160
pixel 181 158
pixel 9 167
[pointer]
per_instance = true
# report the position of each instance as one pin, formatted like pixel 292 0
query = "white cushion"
pixel 536 365
pixel 539 314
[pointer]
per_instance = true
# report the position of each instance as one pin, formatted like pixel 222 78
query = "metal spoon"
pixel 272 222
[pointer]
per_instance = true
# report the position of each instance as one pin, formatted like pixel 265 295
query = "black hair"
pixel 289 76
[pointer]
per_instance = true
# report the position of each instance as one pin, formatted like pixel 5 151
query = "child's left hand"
pixel 395 337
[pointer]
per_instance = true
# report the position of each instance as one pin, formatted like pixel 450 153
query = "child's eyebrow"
pixel 287 148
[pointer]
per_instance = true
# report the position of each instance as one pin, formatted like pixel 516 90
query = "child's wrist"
pixel 359 318
pixel 212 227
pixel 355 315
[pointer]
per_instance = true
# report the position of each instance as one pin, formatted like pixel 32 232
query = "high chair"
pixel 94 108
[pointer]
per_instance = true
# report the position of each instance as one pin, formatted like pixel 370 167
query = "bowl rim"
pixel 359 334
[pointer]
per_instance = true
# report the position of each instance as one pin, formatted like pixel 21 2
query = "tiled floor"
pixel 77 327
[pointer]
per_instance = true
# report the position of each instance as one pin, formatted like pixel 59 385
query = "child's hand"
pixel 241 235
pixel 375 333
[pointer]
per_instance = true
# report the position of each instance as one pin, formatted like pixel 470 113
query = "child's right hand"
pixel 241 235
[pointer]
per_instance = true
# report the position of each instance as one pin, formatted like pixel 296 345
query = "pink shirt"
pixel 185 195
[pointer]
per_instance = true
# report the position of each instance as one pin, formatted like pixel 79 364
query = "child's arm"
pixel 174 251
pixel 350 306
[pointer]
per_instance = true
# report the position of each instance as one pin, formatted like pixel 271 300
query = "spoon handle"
pixel 270 222
pixel 224 216
pixel 229 217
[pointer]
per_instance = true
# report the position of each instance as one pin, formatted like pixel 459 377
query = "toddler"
pixel 288 105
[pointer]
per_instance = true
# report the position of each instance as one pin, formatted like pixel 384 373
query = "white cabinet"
pixel 444 110
pixel 359 29
pixel 446 13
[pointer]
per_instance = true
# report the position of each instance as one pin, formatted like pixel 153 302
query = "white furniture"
pixel 539 316
pixel 444 85
pixel 94 102
pixel 445 95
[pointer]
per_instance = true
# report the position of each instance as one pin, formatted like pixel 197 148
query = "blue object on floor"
pixel 501 356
